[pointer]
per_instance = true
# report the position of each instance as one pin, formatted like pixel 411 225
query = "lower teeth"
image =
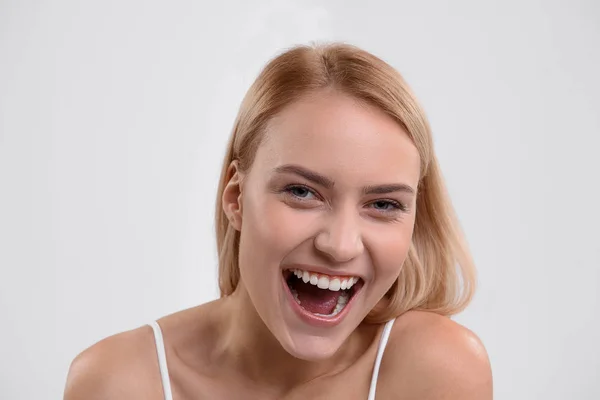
pixel 341 303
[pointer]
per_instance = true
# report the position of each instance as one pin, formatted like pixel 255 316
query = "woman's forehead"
pixel 335 133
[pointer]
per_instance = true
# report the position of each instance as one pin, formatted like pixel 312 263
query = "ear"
pixel 232 196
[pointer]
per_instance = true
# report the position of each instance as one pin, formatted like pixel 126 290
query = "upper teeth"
pixel 326 282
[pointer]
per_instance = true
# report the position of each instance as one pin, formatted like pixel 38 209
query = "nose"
pixel 341 238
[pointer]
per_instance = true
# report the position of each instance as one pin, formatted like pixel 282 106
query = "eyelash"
pixel 397 206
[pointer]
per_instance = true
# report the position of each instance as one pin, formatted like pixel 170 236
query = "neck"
pixel 247 347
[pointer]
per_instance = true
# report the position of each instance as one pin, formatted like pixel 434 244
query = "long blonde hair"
pixel 438 274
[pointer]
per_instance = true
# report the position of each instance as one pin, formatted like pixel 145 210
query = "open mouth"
pixel 321 295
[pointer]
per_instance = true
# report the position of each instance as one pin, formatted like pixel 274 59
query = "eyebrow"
pixel 390 188
pixel 329 183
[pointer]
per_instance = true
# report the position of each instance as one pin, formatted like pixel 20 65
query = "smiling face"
pixel 328 203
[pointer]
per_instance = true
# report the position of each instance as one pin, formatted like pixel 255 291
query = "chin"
pixel 303 331
pixel 312 348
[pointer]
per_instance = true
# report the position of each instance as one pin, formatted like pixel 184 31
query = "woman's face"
pixel 326 216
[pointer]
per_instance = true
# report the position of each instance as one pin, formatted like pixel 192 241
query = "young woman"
pixel 340 258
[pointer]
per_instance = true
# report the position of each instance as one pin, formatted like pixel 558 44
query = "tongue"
pixel 315 300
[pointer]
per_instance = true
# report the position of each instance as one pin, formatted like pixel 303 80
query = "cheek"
pixel 271 229
pixel 390 247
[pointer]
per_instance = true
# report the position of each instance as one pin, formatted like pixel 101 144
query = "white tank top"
pixel 166 382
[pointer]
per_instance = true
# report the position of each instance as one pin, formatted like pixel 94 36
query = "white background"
pixel 114 117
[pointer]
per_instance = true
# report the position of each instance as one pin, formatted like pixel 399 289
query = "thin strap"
pixel 385 335
pixel 162 360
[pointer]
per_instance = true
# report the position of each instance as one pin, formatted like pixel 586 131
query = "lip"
pixel 323 270
pixel 315 320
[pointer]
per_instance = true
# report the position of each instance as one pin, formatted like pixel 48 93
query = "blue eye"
pixel 388 205
pixel 304 193
pixel 300 192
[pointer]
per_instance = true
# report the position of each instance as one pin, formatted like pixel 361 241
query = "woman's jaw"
pixel 270 349
pixel 308 321
pixel 313 321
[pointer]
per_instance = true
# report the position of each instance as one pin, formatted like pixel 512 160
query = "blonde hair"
pixel 438 274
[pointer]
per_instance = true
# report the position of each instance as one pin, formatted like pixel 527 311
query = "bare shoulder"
pixel 122 366
pixel 429 356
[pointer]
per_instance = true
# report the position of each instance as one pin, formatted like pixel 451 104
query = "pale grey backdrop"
pixel 114 117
